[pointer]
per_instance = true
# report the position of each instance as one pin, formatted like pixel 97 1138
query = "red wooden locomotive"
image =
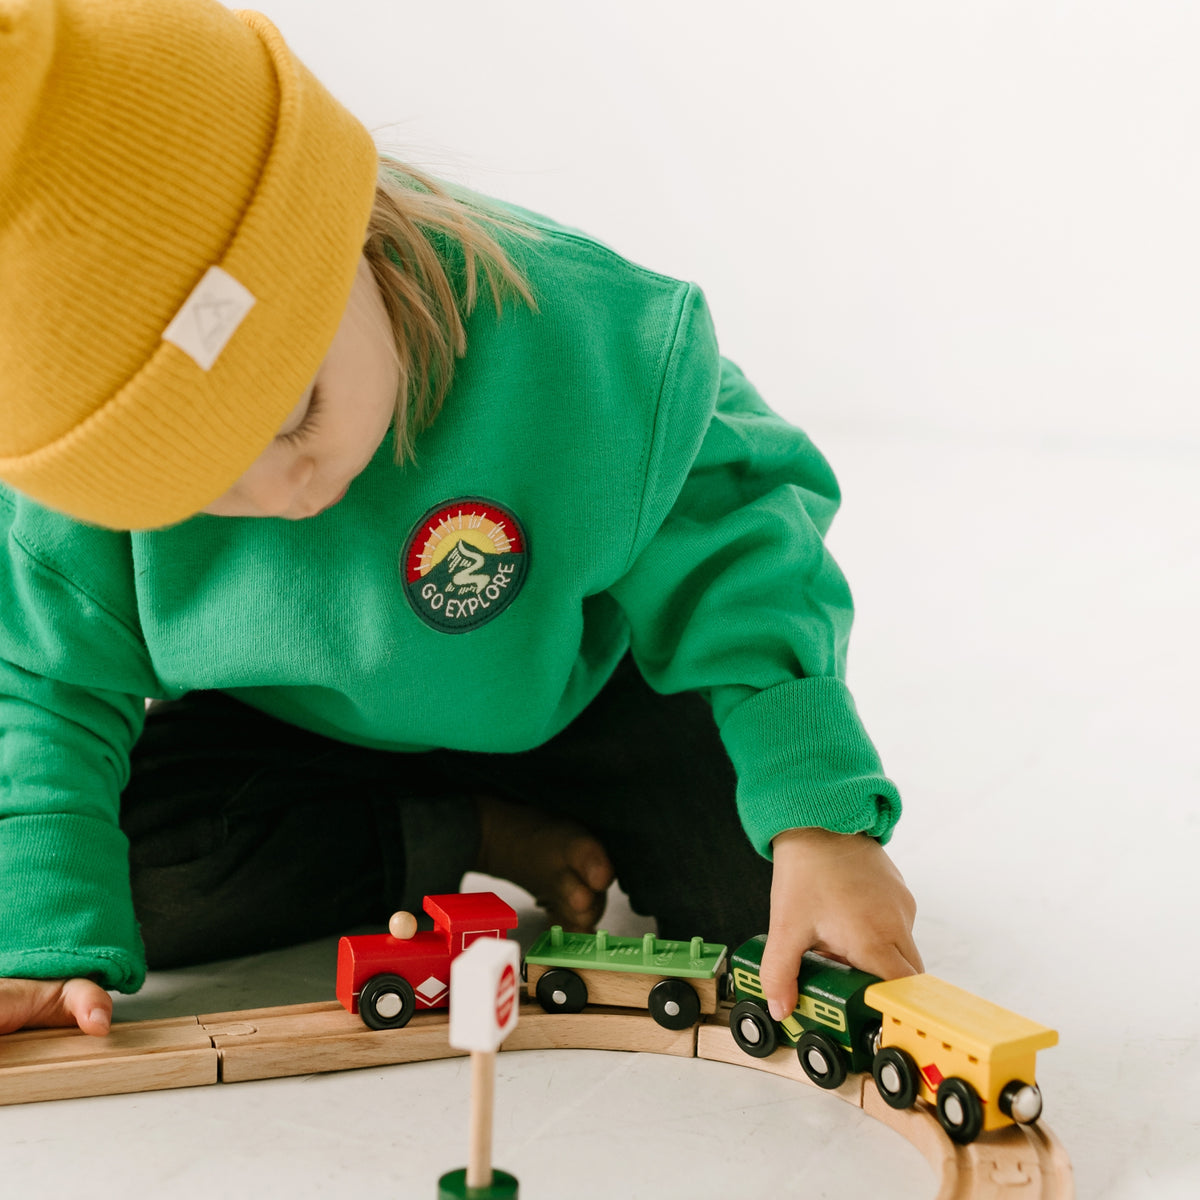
pixel 386 977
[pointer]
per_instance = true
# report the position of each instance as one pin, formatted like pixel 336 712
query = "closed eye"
pixel 309 424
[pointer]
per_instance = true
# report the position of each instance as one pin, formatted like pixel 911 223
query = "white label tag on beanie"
pixel 209 316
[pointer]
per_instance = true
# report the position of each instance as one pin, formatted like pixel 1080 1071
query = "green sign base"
pixel 453 1186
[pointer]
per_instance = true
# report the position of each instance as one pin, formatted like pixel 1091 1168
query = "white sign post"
pixel 484 999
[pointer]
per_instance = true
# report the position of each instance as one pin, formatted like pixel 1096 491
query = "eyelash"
pixel 308 424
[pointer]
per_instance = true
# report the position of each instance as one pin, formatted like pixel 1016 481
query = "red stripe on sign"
pixel 506 993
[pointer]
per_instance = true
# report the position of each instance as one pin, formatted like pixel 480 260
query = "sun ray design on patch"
pixel 442 538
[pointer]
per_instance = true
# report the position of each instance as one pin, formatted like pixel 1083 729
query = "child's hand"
pixel 840 894
pixel 40 1002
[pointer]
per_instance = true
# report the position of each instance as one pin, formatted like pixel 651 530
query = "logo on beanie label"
pixel 209 316
pixel 464 564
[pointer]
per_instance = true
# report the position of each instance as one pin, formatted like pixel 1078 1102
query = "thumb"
pixel 88 1005
pixel 37 1003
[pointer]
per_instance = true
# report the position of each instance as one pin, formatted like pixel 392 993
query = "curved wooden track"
pixel 1017 1163
pixel 1028 1163
pixel 1023 1161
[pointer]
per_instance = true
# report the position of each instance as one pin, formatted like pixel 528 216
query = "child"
pixel 419 582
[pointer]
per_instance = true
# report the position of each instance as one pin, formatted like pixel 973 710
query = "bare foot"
pixel 558 862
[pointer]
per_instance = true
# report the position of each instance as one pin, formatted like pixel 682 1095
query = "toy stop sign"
pixel 483 994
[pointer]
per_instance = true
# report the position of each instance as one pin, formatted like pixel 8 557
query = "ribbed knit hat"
pixel 182 212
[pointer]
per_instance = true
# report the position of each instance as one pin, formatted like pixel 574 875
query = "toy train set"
pixel 921 1039
pixel 952 1074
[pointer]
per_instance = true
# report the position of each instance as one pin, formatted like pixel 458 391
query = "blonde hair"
pixel 425 242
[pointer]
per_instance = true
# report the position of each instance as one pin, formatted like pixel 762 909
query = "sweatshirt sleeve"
pixel 74 672
pixel 731 592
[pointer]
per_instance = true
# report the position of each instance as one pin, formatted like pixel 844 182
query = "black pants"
pixel 248 833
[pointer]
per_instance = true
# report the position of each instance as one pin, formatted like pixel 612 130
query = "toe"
pixel 578 906
pixel 587 858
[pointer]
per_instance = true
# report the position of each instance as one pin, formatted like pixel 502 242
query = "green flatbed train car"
pixel 675 981
pixel 832 1027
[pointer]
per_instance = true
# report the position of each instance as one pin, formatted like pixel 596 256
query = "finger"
pixel 888 961
pixel 41 1003
pixel 901 941
pixel 88 1005
pixel 786 944
pixel 908 948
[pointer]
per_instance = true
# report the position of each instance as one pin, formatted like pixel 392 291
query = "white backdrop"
pixel 972 216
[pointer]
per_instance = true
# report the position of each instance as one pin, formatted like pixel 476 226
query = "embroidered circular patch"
pixel 464 564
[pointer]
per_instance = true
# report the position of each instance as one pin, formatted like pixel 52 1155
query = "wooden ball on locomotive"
pixel 402 925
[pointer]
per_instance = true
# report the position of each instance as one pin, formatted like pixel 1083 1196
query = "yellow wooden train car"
pixel 973 1060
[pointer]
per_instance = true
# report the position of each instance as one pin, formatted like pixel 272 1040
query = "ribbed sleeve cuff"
pixel 804 759
pixel 65 903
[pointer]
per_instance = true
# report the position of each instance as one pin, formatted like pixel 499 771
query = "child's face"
pixel 316 454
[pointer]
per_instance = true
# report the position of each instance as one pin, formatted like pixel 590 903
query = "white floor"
pixel 1024 657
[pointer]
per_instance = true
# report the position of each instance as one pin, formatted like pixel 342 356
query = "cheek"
pixel 280 471
pixel 357 436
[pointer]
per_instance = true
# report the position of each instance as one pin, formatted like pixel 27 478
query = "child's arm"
pixel 74 669
pixel 732 593
pixel 37 1003
pixel 839 893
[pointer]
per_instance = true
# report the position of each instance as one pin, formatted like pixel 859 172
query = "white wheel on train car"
pixel 673 1004
pixel 562 991
pixel 896 1076
pixel 821 1060
pixel 959 1110
pixel 386 1002
pixel 1021 1101
pixel 753 1030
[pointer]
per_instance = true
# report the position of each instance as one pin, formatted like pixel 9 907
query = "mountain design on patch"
pixel 465 571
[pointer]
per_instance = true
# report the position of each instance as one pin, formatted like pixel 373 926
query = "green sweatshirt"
pixel 599 479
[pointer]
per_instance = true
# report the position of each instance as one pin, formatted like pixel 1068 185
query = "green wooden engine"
pixel 833 1029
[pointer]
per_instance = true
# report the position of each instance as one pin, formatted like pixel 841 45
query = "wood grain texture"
pixel 597 1029
pixel 306 1039
pixel 1021 1162
pixel 715 1042
pixel 61 1064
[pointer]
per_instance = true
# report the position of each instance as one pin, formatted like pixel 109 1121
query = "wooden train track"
pixel 1021 1163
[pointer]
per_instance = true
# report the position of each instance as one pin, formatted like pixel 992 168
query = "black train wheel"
pixel 752 1029
pixel 959 1110
pixel 386 1002
pixel 674 1004
pixel 896 1076
pixel 821 1060
pixel 561 991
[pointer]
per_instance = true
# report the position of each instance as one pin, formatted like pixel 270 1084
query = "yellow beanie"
pixel 182 213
